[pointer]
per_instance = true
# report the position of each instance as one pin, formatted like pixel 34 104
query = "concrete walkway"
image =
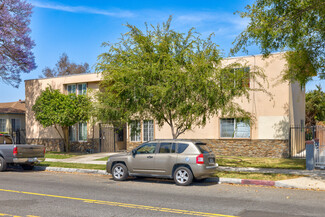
pixel 84 159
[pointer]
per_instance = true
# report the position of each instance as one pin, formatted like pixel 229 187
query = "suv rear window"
pixel 181 147
pixel 203 148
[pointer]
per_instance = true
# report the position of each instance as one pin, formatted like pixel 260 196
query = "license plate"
pixel 32 159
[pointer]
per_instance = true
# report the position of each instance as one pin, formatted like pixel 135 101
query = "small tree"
pixel 16 46
pixel 171 77
pixel 53 108
pixel 315 106
pixel 65 67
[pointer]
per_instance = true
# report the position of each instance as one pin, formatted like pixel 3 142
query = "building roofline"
pixel 254 55
pixel 62 76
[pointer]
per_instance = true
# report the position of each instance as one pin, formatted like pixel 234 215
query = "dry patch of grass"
pixel 279 163
pixel 257 176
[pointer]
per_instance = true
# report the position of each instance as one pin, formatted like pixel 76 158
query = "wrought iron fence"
pixel 298 137
pixel 19 136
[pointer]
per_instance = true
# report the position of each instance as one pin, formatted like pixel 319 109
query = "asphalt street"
pixel 64 194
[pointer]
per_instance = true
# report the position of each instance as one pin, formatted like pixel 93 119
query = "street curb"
pixel 215 179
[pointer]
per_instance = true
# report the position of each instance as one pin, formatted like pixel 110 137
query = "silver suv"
pixel 181 160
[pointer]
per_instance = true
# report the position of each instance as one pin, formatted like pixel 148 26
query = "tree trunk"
pixel 66 139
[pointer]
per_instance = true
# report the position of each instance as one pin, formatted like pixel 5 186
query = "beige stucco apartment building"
pixel 266 136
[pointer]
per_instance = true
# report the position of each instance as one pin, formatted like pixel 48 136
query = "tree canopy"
pixel 294 25
pixel 56 109
pixel 16 55
pixel 65 67
pixel 174 78
pixel 315 106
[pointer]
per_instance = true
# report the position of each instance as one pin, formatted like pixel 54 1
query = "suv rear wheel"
pixel 119 172
pixel 183 176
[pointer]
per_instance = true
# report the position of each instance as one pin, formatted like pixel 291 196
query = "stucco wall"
pixel 33 89
pixel 271 109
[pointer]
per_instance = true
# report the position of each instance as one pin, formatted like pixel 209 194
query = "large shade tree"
pixel 61 111
pixel 315 106
pixel 297 26
pixel 16 55
pixel 65 67
pixel 174 78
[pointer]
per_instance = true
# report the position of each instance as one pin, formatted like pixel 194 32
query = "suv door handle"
pixel 150 157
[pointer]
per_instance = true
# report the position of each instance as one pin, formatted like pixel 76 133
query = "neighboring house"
pixel 12 119
pixel 267 135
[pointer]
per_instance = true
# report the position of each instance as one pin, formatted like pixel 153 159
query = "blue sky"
pixel 79 27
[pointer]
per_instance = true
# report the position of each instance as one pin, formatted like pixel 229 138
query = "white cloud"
pixel 81 9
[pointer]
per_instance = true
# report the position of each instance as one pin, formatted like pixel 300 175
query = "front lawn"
pixel 73 165
pixel 60 155
pixel 278 163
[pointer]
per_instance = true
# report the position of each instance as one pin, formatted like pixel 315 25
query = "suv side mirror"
pixel 134 152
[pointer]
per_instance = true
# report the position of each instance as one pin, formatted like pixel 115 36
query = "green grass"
pixel 60 155
pixel 73 165
pixel 102 159
pixel 257 176
pixel 278 163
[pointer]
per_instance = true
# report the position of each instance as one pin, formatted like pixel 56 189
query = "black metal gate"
pixel 19 136
pixel 111 139
pixel 298 137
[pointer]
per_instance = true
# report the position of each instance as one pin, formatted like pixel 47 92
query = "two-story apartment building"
pixel 267 135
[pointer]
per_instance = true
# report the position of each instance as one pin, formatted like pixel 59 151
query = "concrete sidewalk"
pixel 314 179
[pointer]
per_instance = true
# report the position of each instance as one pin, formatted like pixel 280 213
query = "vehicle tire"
pixel 119 172
pixel 27 166
pixel 183 176
pixel 3 164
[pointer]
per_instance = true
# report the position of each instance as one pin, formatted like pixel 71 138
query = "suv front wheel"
pixel 119 172
pixel 183 176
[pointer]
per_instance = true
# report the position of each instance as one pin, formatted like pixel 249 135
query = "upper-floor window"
pixel 147 130
pixel 234 128
pixel 71 88
pixel 82 89
pixel 241 77
pixel 79 89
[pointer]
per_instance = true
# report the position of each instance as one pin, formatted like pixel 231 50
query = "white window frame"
pixel 135 136
pixel 4 121
pixel 17 123
pixel 235 135
pixel 82 133
pixel 148 130
pixel 83 89
pixel 72 85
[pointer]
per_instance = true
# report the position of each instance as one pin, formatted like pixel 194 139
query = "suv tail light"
pixel 44 150
pixel 200 159
pixel 15 151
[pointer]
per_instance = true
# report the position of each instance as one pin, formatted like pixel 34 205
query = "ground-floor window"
pixel 3 125
pixel 147 130
pixel 15 124
pixel 135 131
pixel 234 128
pixel 78 132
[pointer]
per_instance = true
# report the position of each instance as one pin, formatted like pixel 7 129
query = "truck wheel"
pixel 3 164
pixel 119 172
pixel 27 166
pixel 183 176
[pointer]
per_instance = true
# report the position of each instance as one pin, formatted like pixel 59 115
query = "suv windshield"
pixel 203 148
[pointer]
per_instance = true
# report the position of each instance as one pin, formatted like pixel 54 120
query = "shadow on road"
pixel 206 182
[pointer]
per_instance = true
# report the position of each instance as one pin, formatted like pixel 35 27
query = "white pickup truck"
pixel 25 155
